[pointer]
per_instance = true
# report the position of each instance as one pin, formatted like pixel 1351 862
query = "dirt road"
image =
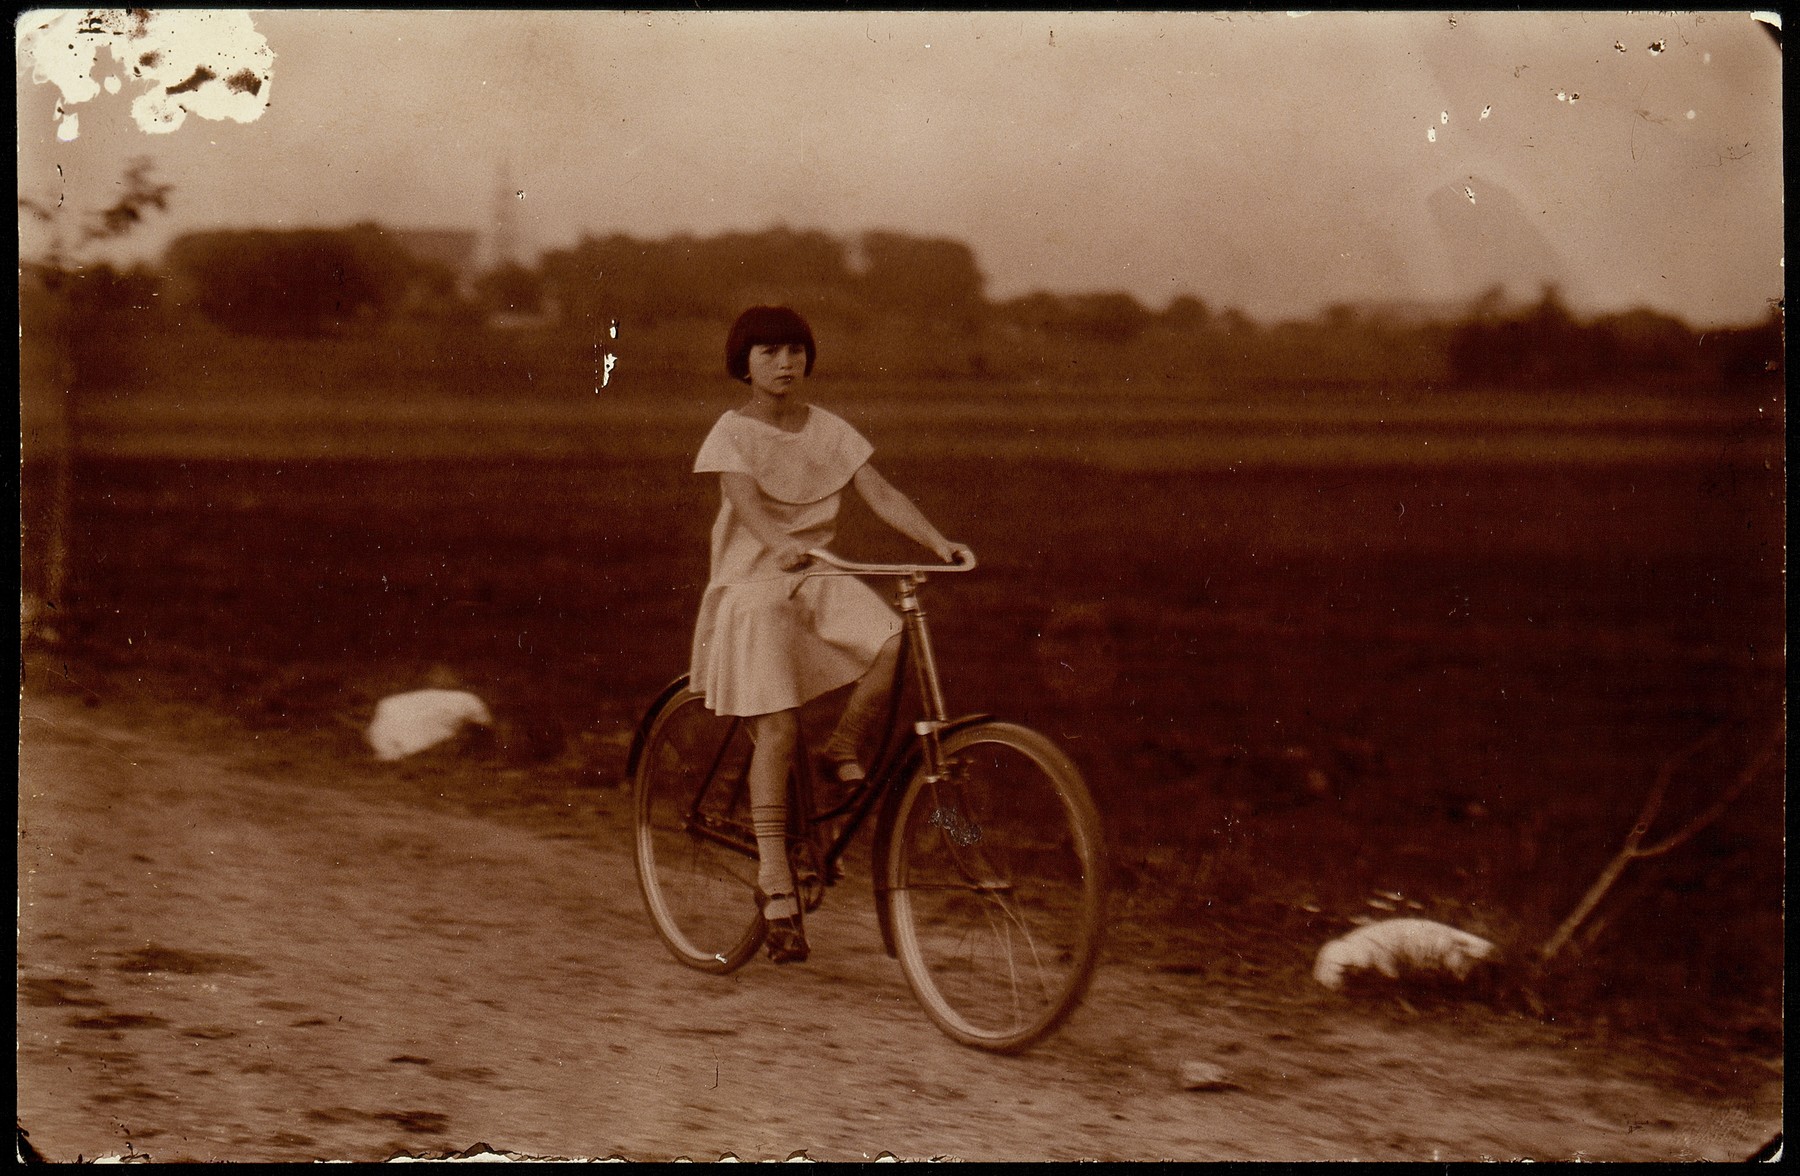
pixel 220 961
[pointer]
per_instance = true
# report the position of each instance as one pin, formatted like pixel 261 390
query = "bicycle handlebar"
pixel 851 568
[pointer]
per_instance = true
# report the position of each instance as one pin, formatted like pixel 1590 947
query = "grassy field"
pixel 1310 650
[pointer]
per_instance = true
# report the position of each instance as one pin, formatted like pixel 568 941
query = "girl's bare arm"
pixel 897 511
pixel 740 490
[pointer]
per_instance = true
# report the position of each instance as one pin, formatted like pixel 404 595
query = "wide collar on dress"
pixel 809 464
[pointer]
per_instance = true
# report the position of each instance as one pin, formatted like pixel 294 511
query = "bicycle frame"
pixel 901 753
pixel 898 757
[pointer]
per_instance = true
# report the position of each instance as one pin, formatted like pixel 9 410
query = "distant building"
pixel 457 250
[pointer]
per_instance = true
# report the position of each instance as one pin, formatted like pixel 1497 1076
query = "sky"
pixel 1273 162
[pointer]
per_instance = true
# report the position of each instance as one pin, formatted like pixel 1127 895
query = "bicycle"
pixel 988 856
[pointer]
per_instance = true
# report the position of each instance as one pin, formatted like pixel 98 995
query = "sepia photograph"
pixel 886 585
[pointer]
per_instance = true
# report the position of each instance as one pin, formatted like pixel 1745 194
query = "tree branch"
pixel 1632 848
pixel 1713 811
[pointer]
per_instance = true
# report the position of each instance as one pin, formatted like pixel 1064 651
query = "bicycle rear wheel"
pixel 695 849
pixel 994 881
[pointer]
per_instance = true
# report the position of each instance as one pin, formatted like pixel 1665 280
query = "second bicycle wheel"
pixel 696 851
pixel 994 881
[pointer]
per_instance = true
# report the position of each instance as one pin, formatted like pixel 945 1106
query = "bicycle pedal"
pixel 809 881
pixel 811 888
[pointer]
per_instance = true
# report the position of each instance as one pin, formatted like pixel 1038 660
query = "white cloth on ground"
pixel 405 724
pixel 1391 945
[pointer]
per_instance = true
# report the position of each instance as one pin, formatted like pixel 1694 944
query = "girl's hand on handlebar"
pixel 953 552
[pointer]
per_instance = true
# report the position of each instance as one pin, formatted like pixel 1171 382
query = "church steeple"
pixel 505 239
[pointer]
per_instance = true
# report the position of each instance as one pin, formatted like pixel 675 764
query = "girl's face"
pixel 776 367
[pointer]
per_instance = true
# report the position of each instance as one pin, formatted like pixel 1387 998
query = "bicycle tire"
pixel 698 891
pixel 994 881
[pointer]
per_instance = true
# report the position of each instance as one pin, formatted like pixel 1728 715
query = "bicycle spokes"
pixel 994 870
pixel 696 851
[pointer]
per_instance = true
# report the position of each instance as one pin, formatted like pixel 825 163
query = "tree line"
pixel 309 283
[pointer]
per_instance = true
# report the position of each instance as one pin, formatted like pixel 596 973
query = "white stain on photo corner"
pixel 208 63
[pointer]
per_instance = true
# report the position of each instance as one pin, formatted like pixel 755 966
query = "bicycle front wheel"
pixel 695 848
pixel 994 881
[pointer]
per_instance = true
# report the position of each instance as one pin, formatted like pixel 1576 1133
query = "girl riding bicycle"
pixel 767 640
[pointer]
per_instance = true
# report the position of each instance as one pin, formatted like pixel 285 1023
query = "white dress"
pixel 760 644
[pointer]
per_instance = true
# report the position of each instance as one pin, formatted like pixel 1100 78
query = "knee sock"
pixel 859 712
pixel 772 877
pixel 866 701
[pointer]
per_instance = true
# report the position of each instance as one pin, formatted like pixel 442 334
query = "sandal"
pixel 786 941
pixel 845 781
pixel 845 773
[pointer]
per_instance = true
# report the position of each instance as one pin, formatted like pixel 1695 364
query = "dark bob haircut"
pixel 762 326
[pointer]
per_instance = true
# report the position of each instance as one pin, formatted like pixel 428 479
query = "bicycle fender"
pixel 884 820
pixel 643 728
